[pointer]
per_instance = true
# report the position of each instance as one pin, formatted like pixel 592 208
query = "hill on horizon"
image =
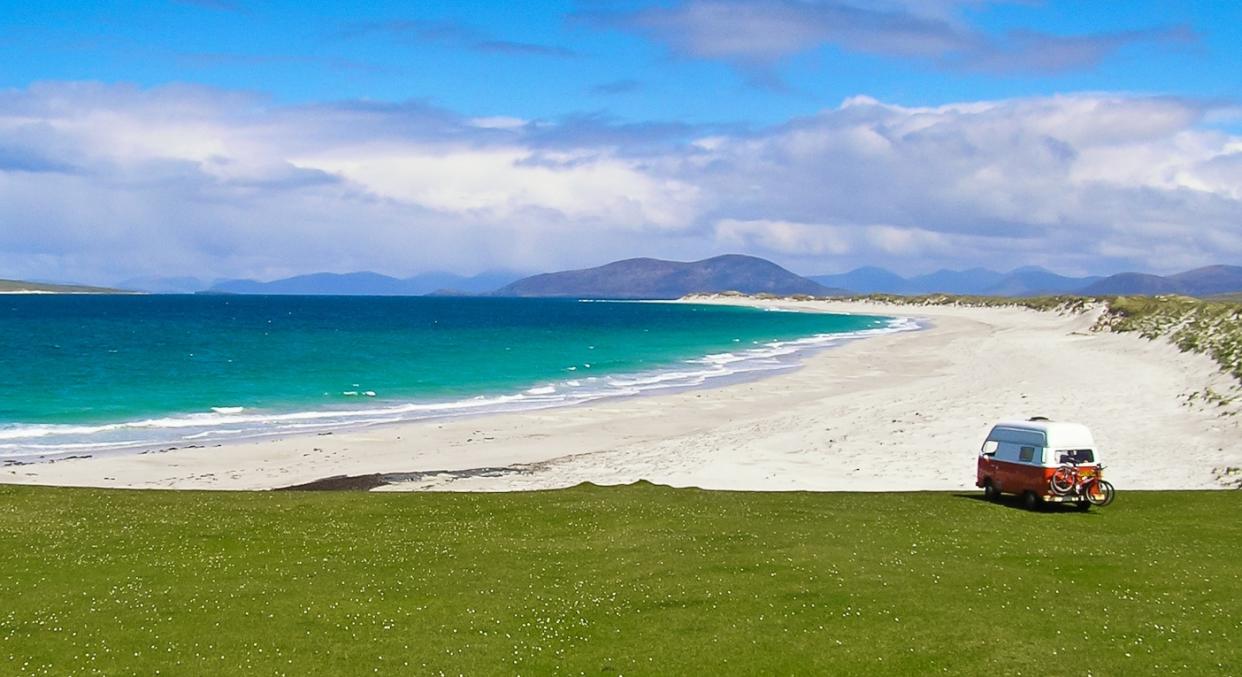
pixel 645 278
pixel 1025 281
pixel 641 278
pixel 367 284
pixel 164 285
pixel 1035 281
pixel 1201 282
pixel 19 286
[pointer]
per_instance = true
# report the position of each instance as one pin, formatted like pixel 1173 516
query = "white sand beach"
pixel 897 412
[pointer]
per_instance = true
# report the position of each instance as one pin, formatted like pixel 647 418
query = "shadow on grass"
pixel 1015 503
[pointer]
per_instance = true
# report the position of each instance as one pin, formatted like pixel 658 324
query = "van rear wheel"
pixel 991 492
pixel 1030 501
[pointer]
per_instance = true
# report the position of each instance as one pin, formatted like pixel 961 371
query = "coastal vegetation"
pixel 47 288
pixel 639 579
pixel 1209 326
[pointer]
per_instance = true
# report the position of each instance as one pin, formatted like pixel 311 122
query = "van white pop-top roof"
pixel 1050 434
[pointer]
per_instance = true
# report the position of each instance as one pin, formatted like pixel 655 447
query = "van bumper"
pixel 1053 498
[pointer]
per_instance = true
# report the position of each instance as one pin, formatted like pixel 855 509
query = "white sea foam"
pixel 35 442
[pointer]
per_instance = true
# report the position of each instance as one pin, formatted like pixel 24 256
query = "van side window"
pixel 1025 454
pixel 1078 456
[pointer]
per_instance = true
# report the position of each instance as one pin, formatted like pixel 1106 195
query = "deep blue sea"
pixel 89 374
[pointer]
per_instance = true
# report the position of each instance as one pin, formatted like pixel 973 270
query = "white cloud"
pixel 784 237
pixel 1060 178
pixel 98 183
pixel 757 34
pixel 497 183
pixel 840 241
pixel 498 122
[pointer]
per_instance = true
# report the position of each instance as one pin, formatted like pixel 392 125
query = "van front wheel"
pixel 991 492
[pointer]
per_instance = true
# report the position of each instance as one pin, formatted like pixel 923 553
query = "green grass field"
pixel 634 580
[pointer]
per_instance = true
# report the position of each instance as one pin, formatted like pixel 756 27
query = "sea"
pixel 99 374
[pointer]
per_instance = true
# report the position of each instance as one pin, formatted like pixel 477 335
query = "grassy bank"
pixel 1209 326
pixel 19 285
pixel 634 580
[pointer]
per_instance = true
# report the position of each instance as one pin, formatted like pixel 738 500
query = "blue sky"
pixel 454 55
pixel 464 131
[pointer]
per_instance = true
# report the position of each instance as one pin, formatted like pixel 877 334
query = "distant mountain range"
pixel 646 278
pixel 341 284
pixel 1204 282
pixel 164 285
pixel 656 279
pixel 1034 281
pixel 1028 281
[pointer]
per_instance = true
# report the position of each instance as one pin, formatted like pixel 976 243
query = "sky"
pixel 239 138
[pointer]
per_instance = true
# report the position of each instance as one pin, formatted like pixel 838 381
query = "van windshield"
pixel 1076 456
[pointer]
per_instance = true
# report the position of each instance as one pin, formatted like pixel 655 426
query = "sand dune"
pixel 896 412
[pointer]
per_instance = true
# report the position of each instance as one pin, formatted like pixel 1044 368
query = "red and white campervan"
pixel 1021 457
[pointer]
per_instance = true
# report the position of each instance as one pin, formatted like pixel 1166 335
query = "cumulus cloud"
pixel 756 34
pixel 101 182
pixel 1059 181
pixel 110 179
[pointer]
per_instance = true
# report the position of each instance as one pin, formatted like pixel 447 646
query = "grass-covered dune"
pixel 1212 327
pixel 1209 326
pixel 636 580
pixel 22 286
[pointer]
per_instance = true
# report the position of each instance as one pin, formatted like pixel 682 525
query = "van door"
pixel 1028 471
pixel 1006 467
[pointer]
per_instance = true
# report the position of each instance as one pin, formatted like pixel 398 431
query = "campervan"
pixel 1039 460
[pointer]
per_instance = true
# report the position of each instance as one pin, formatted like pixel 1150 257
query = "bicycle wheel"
pixel 1100 493
pixel 1063 480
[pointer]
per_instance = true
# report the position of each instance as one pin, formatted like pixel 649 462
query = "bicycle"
pixel 1067 480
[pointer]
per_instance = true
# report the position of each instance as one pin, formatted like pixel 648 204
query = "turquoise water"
pixel 117 372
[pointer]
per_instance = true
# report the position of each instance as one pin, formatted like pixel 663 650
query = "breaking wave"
pixel 21 443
